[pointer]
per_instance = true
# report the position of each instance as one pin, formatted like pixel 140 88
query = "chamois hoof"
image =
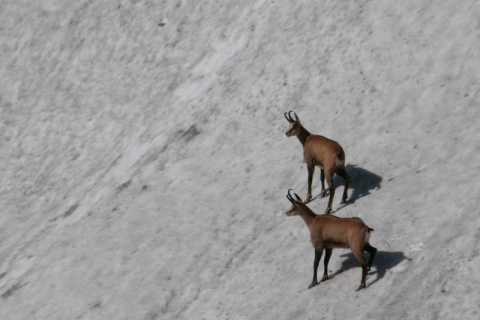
pixel 362 286
pixel 323 194
pixel 313 284
pixel 328 211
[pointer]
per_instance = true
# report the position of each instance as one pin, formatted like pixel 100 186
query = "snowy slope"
pixel 144 164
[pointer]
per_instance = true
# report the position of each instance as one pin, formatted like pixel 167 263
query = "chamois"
pixel 328 232
pixel 323 152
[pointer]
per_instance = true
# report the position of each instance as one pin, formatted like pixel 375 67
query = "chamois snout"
pixel 291 211
pixel 291 129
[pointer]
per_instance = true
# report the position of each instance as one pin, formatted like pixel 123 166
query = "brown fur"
pixel 328 232
pixel 322 152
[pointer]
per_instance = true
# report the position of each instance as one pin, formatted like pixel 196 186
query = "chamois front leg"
pixel 310 169
pixel 318 256
pixel 328 254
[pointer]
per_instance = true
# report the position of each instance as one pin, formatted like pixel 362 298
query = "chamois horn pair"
pixel 288 116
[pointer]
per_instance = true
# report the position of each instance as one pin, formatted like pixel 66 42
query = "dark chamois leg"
pixel 372 251
pixel 322 179
pixel 343 173
pixel 318 255
pixel 363 284
pixel 331 188
pixel 310 169
pixel 328 254
pixel 358 253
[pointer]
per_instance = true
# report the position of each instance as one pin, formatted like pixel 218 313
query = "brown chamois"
pixel 323 152
pixel 328 232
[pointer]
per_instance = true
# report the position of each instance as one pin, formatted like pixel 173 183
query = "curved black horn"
pixel 298 198
pixel 290 198
pixel 290 116
pixel 296 117
pixel 287 116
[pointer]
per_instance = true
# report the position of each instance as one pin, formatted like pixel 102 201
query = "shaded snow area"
pixel 144 163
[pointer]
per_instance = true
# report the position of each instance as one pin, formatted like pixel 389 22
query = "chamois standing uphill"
pixel 323 152
pixel 328 232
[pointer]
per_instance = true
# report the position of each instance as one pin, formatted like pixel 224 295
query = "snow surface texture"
pixel 144 164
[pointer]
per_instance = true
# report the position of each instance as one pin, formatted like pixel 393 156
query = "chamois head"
pixel 295 208
pixel 294 124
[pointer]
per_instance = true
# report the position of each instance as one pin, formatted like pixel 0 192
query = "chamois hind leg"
pixel 318 256
pixel 358 253
pixel 363 284
pixel 372 251
pixel 328 254
pixel 322 179
pixel 343 173
pixel 331 188
pixel 310 169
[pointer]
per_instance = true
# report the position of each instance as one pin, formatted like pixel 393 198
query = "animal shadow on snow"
pixel 383 261
pixel 362 182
